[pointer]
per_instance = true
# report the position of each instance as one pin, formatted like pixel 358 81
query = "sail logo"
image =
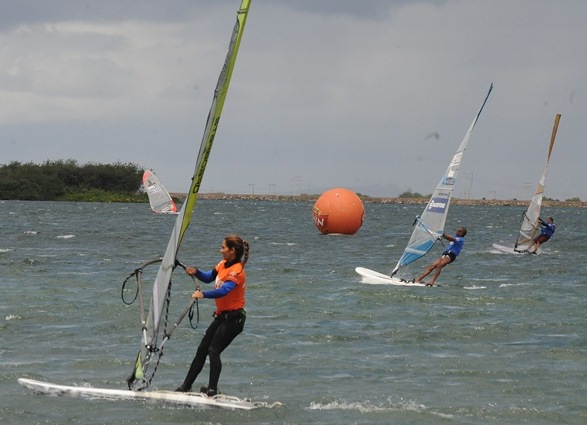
pixel 456 160
pixel 320 219
pixel 437 205
pixel 448 181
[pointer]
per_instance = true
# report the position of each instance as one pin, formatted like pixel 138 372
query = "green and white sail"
pixel 428 227
pixel 151 325
pixel 530 224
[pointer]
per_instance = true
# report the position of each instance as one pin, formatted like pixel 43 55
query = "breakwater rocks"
pixel 368 199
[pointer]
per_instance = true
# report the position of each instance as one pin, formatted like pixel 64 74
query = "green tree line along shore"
pixel 66 180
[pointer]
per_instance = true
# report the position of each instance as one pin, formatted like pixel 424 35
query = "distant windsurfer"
pixel 547 229
pixel 448 256
pixel 229 318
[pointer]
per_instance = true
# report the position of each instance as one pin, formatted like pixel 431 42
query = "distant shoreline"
pixel 381 200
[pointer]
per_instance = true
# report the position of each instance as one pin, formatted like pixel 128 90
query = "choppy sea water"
pixel 502 341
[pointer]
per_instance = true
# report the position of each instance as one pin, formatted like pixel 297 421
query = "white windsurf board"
pixel 509 250
pixel 169 397
pixel 375 278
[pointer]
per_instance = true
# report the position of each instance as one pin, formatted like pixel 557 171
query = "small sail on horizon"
pixel 151 332
pixel 159 198
pixel 530 218
pixel 428 227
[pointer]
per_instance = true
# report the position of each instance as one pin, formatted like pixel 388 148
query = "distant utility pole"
pixel 252 185
pixel 296 182
pixel 470 194
pixel 526 189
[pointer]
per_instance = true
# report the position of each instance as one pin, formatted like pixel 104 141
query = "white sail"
pixel 429 227
pixel 530 224
pixel 159 197
pixel 160 297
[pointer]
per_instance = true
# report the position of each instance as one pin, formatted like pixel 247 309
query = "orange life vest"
pixel 235 299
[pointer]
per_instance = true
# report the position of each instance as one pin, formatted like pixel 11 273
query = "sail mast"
pixel 150 328
pixel 430 226
pixel 530 219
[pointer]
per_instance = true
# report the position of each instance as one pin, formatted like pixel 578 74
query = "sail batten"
pixel 430 225
pixel 530 226
pixel 162 281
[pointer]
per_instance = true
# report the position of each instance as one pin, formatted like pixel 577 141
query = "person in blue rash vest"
pixel 547 230
pixel 448 256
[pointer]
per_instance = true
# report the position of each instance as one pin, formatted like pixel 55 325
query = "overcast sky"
pixel 372 95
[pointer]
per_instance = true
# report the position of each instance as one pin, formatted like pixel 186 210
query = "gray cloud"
pixel 332 93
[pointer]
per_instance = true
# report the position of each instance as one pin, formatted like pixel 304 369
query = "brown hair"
pixel 241 247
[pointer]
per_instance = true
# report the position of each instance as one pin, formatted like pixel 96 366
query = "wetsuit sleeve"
pixel 226 287
pixel 206 277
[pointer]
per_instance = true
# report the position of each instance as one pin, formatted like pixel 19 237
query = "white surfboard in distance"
pixel 511 250
pixel 375 278
pixel 506 249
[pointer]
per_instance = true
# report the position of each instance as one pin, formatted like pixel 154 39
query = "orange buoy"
pixel 338 211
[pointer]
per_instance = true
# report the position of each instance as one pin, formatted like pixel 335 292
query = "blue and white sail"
pixel 151 324
pixel 428 227
pixel 530 225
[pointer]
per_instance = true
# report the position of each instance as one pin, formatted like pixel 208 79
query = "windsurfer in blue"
pixel 547 229
pixel 448 256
